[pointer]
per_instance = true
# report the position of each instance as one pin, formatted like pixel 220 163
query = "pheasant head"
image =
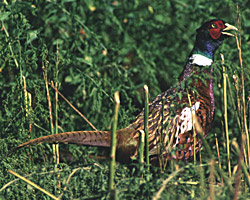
pixel 208 38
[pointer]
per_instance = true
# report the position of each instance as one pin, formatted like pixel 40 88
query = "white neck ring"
pixel 200 60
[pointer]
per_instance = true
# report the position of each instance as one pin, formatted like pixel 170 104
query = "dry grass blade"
pixel 56 114
pixel 13 181
pixel 218 153
pixel 225 113
pixel 141 147
pixel 33 184
pixel 238 173
pixel 45 76
pixel 211 180
pixel 68 179
pixel 244 169
pixel 244 128
pixel 193 124
pixel 164 184
pixel 74 108
pixel 220 171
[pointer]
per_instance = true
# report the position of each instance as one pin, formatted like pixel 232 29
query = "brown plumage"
pixel 176 123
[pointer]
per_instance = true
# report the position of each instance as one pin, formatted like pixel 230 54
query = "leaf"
pixel 87 60
pixel 32 35
pixel 4 16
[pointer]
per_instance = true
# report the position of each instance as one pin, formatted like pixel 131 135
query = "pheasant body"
pixel 170 120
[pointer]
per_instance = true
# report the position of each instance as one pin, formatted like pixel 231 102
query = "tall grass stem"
pixel 225 113
pixel 45 76
pixel 245 128
pixel 146 124
pixel 113 145
pixel 193 125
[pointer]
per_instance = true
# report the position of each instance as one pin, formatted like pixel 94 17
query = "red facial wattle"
pixel 216 31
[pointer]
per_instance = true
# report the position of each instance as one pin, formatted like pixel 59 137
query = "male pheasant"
pixel 171 129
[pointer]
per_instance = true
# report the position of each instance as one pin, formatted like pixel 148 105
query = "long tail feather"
pixel 92 138
pixel 126 144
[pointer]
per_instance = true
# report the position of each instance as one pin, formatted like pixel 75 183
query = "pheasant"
pixel 170 119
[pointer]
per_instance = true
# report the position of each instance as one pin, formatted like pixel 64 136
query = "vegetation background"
pixel 92 49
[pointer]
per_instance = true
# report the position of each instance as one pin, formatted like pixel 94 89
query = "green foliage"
pixel 103 47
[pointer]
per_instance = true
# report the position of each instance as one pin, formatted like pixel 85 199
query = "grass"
pixel 113 147
pixel 91 50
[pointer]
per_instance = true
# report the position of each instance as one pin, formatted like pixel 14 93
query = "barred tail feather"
pixel 92 138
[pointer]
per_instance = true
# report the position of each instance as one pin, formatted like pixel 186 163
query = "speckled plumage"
pixel 174 129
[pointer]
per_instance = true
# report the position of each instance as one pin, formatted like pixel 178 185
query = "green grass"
pixel 92 49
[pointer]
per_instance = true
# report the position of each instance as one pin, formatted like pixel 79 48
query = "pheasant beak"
pixel 229 27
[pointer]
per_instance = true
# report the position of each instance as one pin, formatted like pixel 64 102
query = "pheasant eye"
pixel 213 26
